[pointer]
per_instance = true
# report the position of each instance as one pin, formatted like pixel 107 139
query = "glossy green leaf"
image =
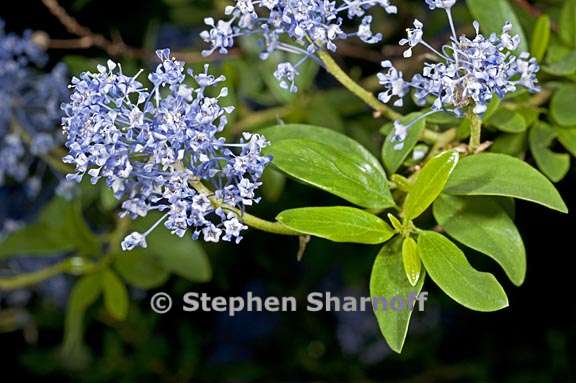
pixel 325 136
pixel 540 38
pixel 388 280
pixel 338 224
pixel 482 224
pixel 493 14
pixel 499 174
pixel 394 154
pixel 508 121
pixel 567 138
pixel 568 23
pixel 429 184
pixel 116 298
pixel 411 260
pixel 562 105
pixel 343 173
pixel 83 294
pixel 450 270
pixel 554 165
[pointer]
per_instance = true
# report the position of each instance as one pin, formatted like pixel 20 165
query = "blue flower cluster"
pixel 152 146
pixel 29 109
pixel 468 74
pixel 310 24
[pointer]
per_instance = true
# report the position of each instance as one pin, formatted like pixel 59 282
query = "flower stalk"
pixel 334 69
pixel 248 219
pixel 475 132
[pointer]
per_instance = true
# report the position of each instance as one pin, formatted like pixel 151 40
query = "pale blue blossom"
pixel 301 27
pixel 467 74
pixel 150 145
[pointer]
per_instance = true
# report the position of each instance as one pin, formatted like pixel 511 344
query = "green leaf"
pixel 141 268
pixel 508 121
pixel 84 293
pixel 568 23
pixel 393 155
pixel 563 67
pixel 482 224
pixel 325 136
pixel 116 298
pixel 411 260
pixel 429 184
pixel 181 256
pixel 562 105
pixel 499 174
pixel 388 280
pixel 59 228
pixel 513 144
pixel 450 270
pixel 567 138
pixel 338 224
pixel 554 165
pixel 340 172
pixel 493 14
pixel 540 38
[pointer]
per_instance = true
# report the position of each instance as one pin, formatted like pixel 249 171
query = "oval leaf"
pixel 540 38
pixel 429 184
pixel 482 224
pixel 181 256
pixel 562 105
pixel 554 165
pixel 499 174
pixel 115 295
pixel 508 121
pixel 493 14
pixel 568 23
pixel 450 270
pixel 338 224
pixel 324 136
pixel 388 280
pixel 141 269
pixel 411 260
pixel 340 172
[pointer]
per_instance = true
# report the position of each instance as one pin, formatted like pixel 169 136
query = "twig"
pixel 88 39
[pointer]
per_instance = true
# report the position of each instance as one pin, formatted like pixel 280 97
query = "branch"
pixel 88 39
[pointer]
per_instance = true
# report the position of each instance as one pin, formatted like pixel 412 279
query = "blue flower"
pixel 29 109
pixel 152 146
pixel 309 25
pixel 468 74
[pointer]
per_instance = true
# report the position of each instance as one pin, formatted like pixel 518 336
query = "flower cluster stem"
pixel 475 132
pixel 366 96
pixel 248 219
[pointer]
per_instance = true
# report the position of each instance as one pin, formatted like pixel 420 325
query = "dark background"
pixel 531 341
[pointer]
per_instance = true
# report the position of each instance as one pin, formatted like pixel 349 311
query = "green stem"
pixel 248 219
pixel 355 88
pixel 475 132
pixel 74 265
